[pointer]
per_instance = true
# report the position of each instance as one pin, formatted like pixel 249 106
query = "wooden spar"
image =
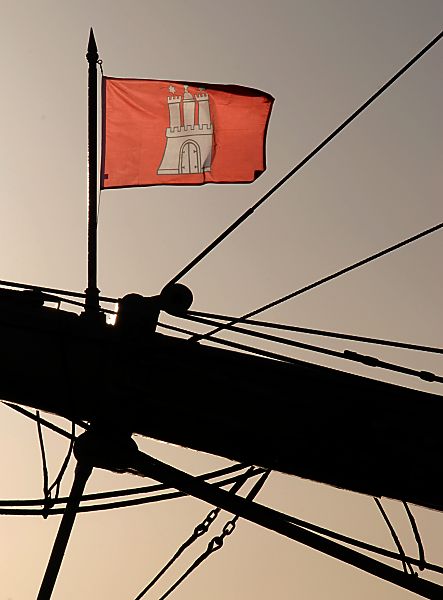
pixel 315 422
pixel 271 519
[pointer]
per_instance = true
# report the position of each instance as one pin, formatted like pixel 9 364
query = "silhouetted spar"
pixel 314 422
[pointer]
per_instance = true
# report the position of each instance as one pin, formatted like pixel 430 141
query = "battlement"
pixel 198 97
pixel 188 144
pixel 189 129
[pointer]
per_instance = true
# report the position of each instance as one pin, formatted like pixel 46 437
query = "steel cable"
pixel 199 530
pixel 369 361
pixel 305 160
pixel 217 542
pixel 317 332
pixel 319 282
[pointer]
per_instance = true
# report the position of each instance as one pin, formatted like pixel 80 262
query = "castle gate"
pixel 190 160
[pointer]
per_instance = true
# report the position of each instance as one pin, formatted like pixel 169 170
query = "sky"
pixel 377 183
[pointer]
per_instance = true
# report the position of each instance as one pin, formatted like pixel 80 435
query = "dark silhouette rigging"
pixel 330 426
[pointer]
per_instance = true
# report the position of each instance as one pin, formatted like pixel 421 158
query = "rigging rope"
pixel 158 487
pixel 121 503
pixel 284 327
pixel 58 291
pixel 421 562
pixel 317 332
pixel 272 520
pixel 319 282
pixel 421 550
pixel 217 542
pixel 369 361
pixel 305 160
pixel 290 519
pixel 406 564
pixel 46 494
pixel 48 501
pixel 346 354
pixel 363 545
pixel 199 531
pixel 45 422
pixel 115 493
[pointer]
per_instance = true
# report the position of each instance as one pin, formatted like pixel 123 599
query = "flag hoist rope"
pixel 305 160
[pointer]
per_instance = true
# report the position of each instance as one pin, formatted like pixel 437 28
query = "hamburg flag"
pixel 170 132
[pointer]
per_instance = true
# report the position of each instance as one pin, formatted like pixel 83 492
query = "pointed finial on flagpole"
pixel 92 47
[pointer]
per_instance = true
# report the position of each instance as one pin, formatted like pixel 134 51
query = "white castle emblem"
pixel 189 145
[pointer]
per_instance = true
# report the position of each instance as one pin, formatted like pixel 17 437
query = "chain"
pixel 217 542
pixel 198 532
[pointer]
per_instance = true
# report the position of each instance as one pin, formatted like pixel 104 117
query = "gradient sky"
pixel 377 183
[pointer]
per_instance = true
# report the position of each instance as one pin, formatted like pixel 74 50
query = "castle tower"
pixel 188 108
pixel 174 111
pixel 204 116
pixel 188 148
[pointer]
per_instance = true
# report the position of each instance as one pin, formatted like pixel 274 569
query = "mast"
pixel 83 469
pixel 92 292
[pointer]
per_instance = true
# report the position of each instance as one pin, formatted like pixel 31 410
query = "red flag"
pixel 169 132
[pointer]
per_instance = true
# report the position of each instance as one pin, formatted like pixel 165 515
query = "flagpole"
pixel 92 291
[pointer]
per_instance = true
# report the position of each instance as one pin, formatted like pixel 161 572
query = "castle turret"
pixel 188 146
pixel 204 116
pixel 174 111
pixel 188 108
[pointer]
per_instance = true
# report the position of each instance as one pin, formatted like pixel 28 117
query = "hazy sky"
pixel 377 183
